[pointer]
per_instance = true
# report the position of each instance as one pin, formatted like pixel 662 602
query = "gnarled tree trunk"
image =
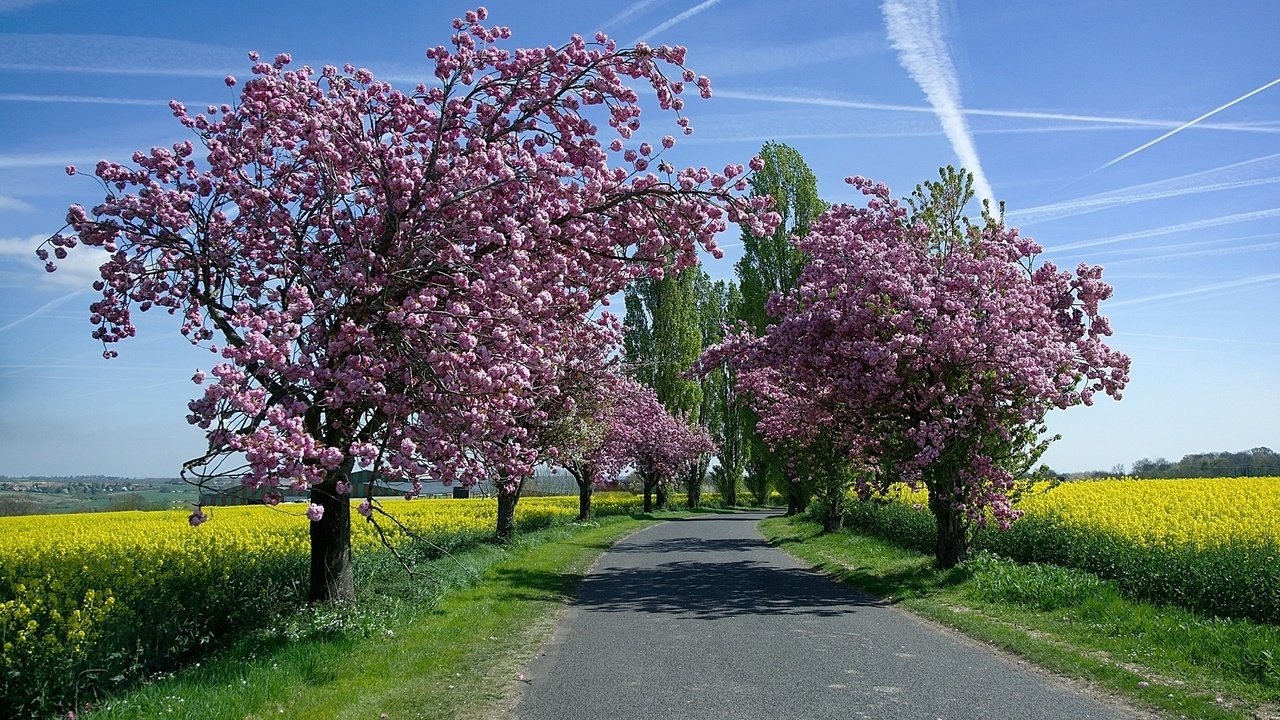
pixel 508 496
pixel 660 493
pixel 585 489
pixel 331 578
pixel 953 542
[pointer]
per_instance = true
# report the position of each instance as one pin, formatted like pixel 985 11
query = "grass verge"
pixel 449 647
pixel 1071 622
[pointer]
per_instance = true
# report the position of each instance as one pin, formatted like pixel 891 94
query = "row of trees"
pixel 406 281
pixel 409 282
pixel 1258 462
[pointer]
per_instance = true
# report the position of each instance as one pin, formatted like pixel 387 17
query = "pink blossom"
pixel 365 508
pixel 315 512
pixel 197 517
pixel 342 487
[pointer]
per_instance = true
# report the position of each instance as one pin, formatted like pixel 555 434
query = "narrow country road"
pixel 701 618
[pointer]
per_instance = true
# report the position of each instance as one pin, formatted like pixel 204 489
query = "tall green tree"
pixel 729 430
pixel 662 339
pixel 771 264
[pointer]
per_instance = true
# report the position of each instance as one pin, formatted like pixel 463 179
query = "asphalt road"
pixel 701 618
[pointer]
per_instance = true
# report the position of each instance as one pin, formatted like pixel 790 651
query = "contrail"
pixel 915 30
pixel 1147 191
pixel 1199 339
pixel 1243 282
pixel 1188 124
pixel 1169 229
pixel 1096 203
pixel 676 20
pixel 1270 128
pixel 43 309
pixel 83 99
pixel 629 12
pixel 1216 252
pixel 1168 247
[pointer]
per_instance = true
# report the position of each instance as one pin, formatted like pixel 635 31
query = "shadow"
pixel 752 516
pixel 710 590
pixel 691 545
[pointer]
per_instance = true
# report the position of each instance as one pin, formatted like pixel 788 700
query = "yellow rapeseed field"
pixel 1201 512
pixel 67 582
pixel 1198 512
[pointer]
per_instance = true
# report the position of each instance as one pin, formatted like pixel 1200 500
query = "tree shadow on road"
pixel 691 545
pixel 710 590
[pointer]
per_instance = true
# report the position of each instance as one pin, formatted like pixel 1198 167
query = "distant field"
pixel 78 499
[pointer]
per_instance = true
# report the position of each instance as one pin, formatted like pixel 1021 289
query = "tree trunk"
pixel 508 496
pixel 795 502
pixel 953 542
pixel 584 500
pixel 661 493
pixel 696 475
pixel 731 497
pixel 648 496
pixel 331 578
pixel 832 519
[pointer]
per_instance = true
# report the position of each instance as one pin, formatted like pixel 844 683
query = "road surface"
pixel 701 618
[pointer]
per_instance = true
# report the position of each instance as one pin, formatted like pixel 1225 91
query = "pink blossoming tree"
pixel 920 348
pixel 387 277
pixel 650 439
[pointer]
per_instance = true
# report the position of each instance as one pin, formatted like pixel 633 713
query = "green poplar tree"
pixel 662 339
pixel 772 264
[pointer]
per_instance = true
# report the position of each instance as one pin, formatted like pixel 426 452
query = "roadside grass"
pixel 445 647
pixel 1071 622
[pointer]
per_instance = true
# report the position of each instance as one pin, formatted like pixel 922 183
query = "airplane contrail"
pixel 672 22
pixel 1170 229
pixel 43 309
pixel 1242 282
pixel 987 112
pixel 1188 124
pixel 915 29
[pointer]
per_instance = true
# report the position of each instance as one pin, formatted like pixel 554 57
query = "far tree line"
pixel 1258 462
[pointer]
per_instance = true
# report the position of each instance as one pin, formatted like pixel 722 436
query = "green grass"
pixel 1069 621
pixel 443 648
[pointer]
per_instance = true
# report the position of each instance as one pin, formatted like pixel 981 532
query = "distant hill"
pixel 86 480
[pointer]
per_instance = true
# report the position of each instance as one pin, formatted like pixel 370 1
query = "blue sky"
pixel 1054 106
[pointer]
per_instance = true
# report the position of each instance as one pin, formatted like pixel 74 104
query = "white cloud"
pixel 15 205
pixel 59 158
pixel 78 270
pixel 916 32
